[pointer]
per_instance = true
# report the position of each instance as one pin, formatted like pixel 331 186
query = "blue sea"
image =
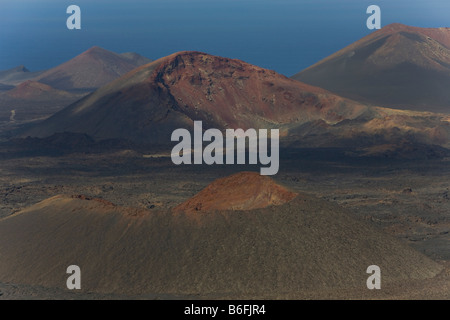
pixel 283 35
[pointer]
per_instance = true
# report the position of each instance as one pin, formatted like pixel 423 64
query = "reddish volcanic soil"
pixel 241 191
pixel 240 95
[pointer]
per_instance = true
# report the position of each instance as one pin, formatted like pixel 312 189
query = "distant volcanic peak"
pixel 397 67
pixel 441 35
pixel 241 191
pixel 17 75
pixel 21 68
pixel 95 50
pixel 89 70
pixel 18 69
pixel 31 88
pixel 99 53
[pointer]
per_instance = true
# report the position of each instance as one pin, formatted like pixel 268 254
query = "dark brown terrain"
pixel 398 66
pixel 358 185
pixel 117 207
pixel 291 250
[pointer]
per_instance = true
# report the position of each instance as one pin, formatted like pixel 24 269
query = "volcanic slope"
pixel 91 70
pixel 148 103
pixel 286 250
pixel 397 66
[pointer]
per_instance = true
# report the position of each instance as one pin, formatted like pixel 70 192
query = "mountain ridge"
pixel 397 66
pixel 174 91
pixel 145 106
